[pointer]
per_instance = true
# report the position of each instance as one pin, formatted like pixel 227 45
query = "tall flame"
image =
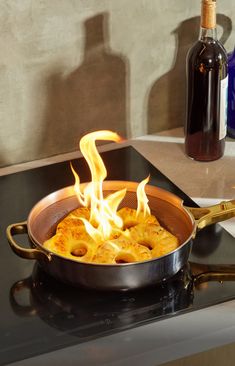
pixel 103 210
pixel 142 199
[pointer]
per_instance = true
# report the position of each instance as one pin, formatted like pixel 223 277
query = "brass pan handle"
pixel 26 253
pixel 206 216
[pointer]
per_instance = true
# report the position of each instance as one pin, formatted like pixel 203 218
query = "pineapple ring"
pixel 121 250
pixel 73 219
pixel 130 218
pixel 155 237
pixel 74 243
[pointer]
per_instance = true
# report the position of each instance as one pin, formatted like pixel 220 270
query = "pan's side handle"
pixel 210 215
pixel 27 253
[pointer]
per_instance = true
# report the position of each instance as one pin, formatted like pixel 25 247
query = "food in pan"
pixel 159 240
pixel 100 232
pixel 140 238
pixel 121 251
pixel 130 218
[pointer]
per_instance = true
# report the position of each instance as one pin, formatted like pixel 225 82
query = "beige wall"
pixel 71 66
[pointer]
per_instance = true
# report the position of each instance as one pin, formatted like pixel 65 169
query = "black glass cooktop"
pixel 39 314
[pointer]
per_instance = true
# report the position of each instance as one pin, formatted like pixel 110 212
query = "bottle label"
pixel 223 107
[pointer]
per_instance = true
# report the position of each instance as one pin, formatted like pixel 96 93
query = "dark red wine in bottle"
pixel 207 85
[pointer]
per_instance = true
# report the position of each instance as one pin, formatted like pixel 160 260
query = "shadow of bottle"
pixel 166 98
pixel 94 96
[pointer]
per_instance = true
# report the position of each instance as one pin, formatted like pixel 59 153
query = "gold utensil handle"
pixel 210 215
pixel 26 253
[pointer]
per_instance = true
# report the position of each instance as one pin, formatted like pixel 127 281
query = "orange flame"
pixel 103 210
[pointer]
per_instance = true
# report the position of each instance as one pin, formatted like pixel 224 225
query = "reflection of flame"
pixel 103 210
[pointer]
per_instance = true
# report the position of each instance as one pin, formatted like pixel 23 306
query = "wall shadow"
pixel 93 96
pixel 2 160
pixel 166 98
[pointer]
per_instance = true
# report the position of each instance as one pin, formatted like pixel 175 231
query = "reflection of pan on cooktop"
pixel 85 312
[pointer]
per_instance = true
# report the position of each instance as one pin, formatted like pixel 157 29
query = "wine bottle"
pixel 207 85
pixel 231 94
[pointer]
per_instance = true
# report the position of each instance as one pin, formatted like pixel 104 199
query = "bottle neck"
pixel 95 36
pixel 206 33
pixel 208 20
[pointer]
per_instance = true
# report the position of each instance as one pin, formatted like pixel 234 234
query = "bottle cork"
pixel 208 14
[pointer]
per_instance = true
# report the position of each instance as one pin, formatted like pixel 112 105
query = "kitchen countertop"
pixel 207 333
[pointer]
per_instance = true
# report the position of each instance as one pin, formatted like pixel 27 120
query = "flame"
pixel 142 199
pixel 104 220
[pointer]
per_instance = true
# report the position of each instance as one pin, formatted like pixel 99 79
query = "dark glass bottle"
pixel 207 83
pixel 231 94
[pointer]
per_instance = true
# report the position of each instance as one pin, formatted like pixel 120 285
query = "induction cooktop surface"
pixel 39 314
